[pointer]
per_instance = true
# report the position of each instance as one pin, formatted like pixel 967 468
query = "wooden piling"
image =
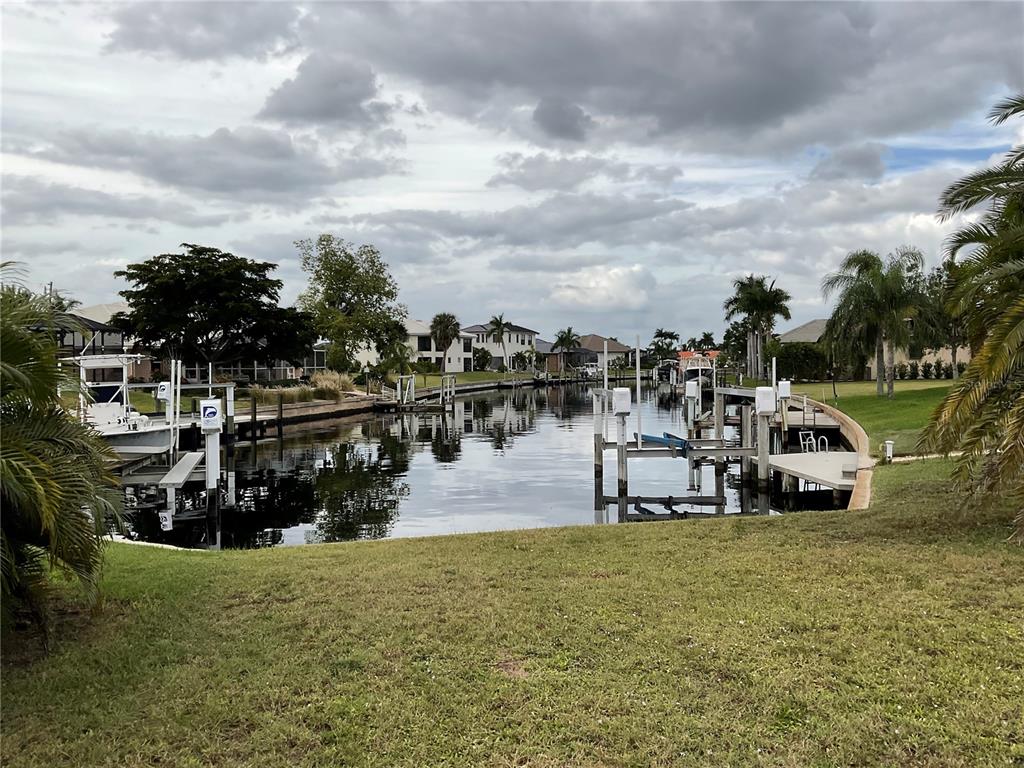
pixel 623 476
pixel 764 434
pixel 746 439
pixel 280 414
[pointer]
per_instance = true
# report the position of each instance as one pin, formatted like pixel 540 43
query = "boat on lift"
pixel 106 406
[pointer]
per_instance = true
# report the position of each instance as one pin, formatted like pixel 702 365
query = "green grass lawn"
pixel 890 636
pixel 900 419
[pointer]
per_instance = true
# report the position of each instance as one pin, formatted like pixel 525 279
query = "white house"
pixel 457 359
pixel 518 339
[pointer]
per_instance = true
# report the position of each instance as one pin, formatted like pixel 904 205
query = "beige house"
pixel 811 333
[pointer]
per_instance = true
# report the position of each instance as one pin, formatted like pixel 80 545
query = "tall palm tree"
pixel 692 344
pixel 56 488
pixel 444 330
pixel 662 335
pixel 760 302
pixel 498 329
pixel 876 298
pixel 706 341
pixel 566 340
pixel 983 415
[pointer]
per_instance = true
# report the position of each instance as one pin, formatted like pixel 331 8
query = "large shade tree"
pixel 983 415
pixel 56 489
pixel 759 302
pixel 444 330
pixel 351 295
pixel 208 306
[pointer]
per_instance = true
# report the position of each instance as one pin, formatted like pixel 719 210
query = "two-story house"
pixel 517 339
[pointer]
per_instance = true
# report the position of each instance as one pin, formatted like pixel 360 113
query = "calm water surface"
pixel 512 459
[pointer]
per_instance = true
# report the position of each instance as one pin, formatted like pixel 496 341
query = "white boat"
pixel 130 433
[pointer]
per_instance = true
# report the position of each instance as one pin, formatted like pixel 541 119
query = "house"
pixel 99 337
pixel 589 352
pixel 458 358
pixel 812 333
pixel 517 339
pixel 593 346
pixel 808 333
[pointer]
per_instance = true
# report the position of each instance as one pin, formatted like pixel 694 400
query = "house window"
pixel 467 345
pixel 423 343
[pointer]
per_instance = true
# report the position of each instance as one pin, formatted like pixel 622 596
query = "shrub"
pixel 948 370
pixel 960 368
pixel 915 369
pixel 926 370
pixel 329 385
pixel 902 371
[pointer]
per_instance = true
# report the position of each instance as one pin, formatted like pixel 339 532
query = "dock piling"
pixel 623 478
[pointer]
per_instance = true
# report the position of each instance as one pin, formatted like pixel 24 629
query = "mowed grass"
pixel 900 419
pixel 891 636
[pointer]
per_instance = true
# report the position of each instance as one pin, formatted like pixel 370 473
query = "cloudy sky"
pixel 609 166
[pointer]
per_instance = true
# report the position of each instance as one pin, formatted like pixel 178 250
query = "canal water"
pixel 505 460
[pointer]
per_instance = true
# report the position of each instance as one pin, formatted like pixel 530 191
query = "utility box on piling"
pixel 693 389
pixel 764 401
pixel 622 401
pixel 785 389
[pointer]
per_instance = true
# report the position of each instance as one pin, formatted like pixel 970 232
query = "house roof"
pixel 484 329
pixel 93 325
pixel 711 354
pixel 808 332
pixel 544 347
pixel 415 327
pixel 594 343
pixel 101 313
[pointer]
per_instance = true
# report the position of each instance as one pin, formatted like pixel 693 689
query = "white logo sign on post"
pixel 209 411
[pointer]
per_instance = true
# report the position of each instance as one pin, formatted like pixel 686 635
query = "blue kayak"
pixel 668 440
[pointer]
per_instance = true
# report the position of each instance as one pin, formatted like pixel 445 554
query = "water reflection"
pixel 515 459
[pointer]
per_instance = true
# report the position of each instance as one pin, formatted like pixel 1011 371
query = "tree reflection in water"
pixel 359 490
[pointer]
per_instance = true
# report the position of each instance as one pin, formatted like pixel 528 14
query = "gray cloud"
pixel 739 77
pixel 328 89
pixel 856 162
pixel 545 171
pixel 30 201
pixel 246 163
pixel 204 30
pixel 561 119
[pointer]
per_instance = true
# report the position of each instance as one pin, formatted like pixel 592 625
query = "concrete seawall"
pixel 855 435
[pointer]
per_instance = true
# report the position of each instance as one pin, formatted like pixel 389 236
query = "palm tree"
pixel 692 344
pixel 56 490
pixel 760 302
pixel 662 335
pixel 444 330
pixel 497 329
pixel 983 415
pixel 876 299
pixel 566 340
pixel 707 341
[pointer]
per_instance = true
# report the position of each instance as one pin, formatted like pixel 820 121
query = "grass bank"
pixel 900 419
pixel 885 637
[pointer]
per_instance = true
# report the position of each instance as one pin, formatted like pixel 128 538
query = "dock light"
pixel 163 390
pixel 764 401
pixel 889 445
pixel 622 400
pixel 785 389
